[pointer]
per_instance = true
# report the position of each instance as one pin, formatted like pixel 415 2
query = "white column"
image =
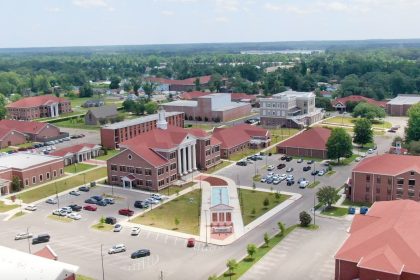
pixel 190 158
pixel 184 161
pixel 194 157
pixel 56 107
pixel 51 111
pixel 179 162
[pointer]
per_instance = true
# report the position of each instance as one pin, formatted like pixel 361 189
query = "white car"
pixel 303 184
pixel 68 210
pixel 321 173
pixel 156 196
pixel 270 167
pixel 51 201
pixel 363 155
pixel 30 207
pixel 74 216
pixel 75 193
pixel 135 231
pixel 119 248
pixel 24 235
pixel 151 200
pixel 263 179
pixel 370 151
pixel 290 177
pixel 117 228
pixel 358 159
pixel 283 177
pixel 59 212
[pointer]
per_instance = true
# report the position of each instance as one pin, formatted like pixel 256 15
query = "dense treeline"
pixel 376 73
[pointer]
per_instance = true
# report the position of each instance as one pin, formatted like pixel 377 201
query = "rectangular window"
pixel 148 183
pixel 26 182
pixel 114 167
pixel 400 181
pixel 139 171
pixel 48 175
pixel 400 191
pixel 122 168
pixel 114 178
pixel 367 178
pixel 411 182
pixel 147 172
pixel 41 178
pixel 160 171
pixel 130 169
pixel 378 179
pixel 33 180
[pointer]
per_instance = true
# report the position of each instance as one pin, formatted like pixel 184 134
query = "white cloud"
pixel 228 5
pixel 53 9
pixel 93 4
pixel 221 19
pixel 167 13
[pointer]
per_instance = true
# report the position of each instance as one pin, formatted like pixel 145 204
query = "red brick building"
pixel 340 103
pixel 31 169
pixel 78 153
pixel 234 97
pixel 400 104
pixel 155 159
pixel 34 131
pixel 113 134
pixel 385 177
pixel 309 143
pixel 43 106
pixel 383 244
pixel 241 137
pixel 11 137
pixel 181 85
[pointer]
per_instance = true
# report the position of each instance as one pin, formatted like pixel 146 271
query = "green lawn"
pixel 335 211
pixel 110 154
pixel 245 264
pixel 185 208
pixel 350 121
pixel 331 172
pixel 244 153
pixel 83 277
pixel 103 227
pixel 59 219
pixel 5 208
pixel 62 185
pixel 215 168
pixel 345 161
pixel 348 202
pixel 78 167
pixel 313 184
pixel 76 123
pixel 174 189
pixel 279 134
pixel 17 215
pixel 251 200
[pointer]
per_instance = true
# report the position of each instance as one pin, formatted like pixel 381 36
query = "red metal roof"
pixel 358 98
pixel 6 130
pixel 314 138
pixel 72 149
pixel 386 238
pixel 238 134
pixel 186 82
pixel 47 253
pixel 388 164
pixel 36 101
pixel 24 126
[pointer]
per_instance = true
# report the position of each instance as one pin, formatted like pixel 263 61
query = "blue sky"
pixel 37 23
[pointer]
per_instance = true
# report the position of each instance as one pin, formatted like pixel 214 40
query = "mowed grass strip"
pixel 335 211
pixel 251 200
pixel 5 208
pixel 62 185
pixel 78 167
pixel 110 154
pixel 216 168
pixel 185 208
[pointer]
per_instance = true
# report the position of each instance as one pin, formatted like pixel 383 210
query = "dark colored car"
pixel 97 197
pixel 310 162
pixel 191 242
pixel 281 166
pixel 101 203
pixel 283 157
pixel 90 208
pixel 75 207
pixel 140 204
pixel 352 210
pixel 364 210
pixel 126 212
pixel 140 253
pixel 289 159
pixel 241 163
pixel 42 238
pixel 269 180
pixel 306 168
pixel 84 189
pixel 110 220
pixel 315 172
pixel 91 201
pixel 290 182
pixel 109 200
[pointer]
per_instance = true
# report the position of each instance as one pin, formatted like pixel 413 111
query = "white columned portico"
pixel 194 158
pixel 184 161
pixel 190 158
pixel 179 162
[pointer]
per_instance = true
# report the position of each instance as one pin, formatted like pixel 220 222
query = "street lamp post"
pixel 102 261
pixel 29 243
pixel 205 213
pixel 314 208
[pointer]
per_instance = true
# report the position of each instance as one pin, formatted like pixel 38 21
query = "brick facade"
pixel 12 138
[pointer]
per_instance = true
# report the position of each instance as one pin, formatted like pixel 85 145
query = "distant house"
pixel 180 85
pixel 34 131
pixel 340 103
pixel 94 115
pixel 400 104
pixel 78 153
pixel 93 103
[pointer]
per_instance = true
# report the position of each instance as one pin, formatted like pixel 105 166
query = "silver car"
pixel 24 235
pixel 119 248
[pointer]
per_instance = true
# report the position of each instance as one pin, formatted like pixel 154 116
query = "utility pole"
pixel 29 243
pixel 102 261
pixel 314 208
pixel 205 213
pixel 161 275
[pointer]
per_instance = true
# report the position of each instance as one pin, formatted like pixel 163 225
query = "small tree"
pixel 277 196
pixel 363 133
pixel 327 195
pixel 176 221
pixel 231 264
pixel 16 186
pixel 305 219
pixel 102 221
pixel 282 228
pixel 266 202
pixel 266 239
pixel 251 249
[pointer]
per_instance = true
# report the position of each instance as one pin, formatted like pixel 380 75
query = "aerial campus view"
pixel 207 139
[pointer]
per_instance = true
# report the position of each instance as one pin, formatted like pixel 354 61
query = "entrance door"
pixel 127 184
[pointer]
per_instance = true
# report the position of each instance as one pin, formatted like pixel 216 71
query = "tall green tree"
pixel 327 196
pixel 413 128
pixel 339 144
pixel 2 106
pixel 115 82
pixel 151 107
pixel 368 111
pixel 85 90
pixel 363 132
pixel 148 88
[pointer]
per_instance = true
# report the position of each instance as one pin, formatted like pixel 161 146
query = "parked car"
pixel 306 168
pixel 126 212
pixel 74 216
pixel 135 231
pixel 364 210
pixel 370 151
pixel 363 155
pixel 51 201
pixel 300 160
pixel 276 181
pixel 90 207
pixel 241 163
pixel 352 210
pixel 101 203
pixel 109 200
pixel 91 201
pixel 42 238
pixel 97 197
pixel 281 166
pixel 315 172
pixel 270 168
pixel 290 169
pixel 75 207
pixel 23 235
pixel 68 210
pixel 140 253
pixel 190 242
pixel 283 157
pixel 321 173
pixel 84 189
pixel 282 177
pixel 269 180
pixel 358 159
pixel 119 248
pixel 117 228
pixel 310 161
pixel 141 204
pixel 59 212
pixel 289 158
pixel 156 196
pixel 300 180
pixel 290 182
pixel 151 200
pixel 391 130
pixel 76 193
pixel 31 207
pixel 303 184
pixel 110 220
pixel 263 179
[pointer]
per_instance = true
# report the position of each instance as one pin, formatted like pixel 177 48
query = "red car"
pixel 90 207
pixel 191 242
pixel 126 212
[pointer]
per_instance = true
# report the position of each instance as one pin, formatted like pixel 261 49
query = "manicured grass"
pixel 62 185
pixel 350 121
pixel 335 211
pixel 348 129
pixel 83 277
pixel 348 202
pixel 78 167
pixel 251 200
pixel 60 219
pixel 331 172
pixel 310 227
pixel 278 134
pixel 103 227
pixel 313 184
pixel 185 208
pixel 345 161
pixel 256 178
pixel 76 123
pixel 215 168
pixel 110 154
pixel 244 153
pixel 174 189
pixel 245 264
pixel 5 208
pixel 17 215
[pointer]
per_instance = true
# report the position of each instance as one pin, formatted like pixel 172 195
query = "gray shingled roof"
pixel 104 111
